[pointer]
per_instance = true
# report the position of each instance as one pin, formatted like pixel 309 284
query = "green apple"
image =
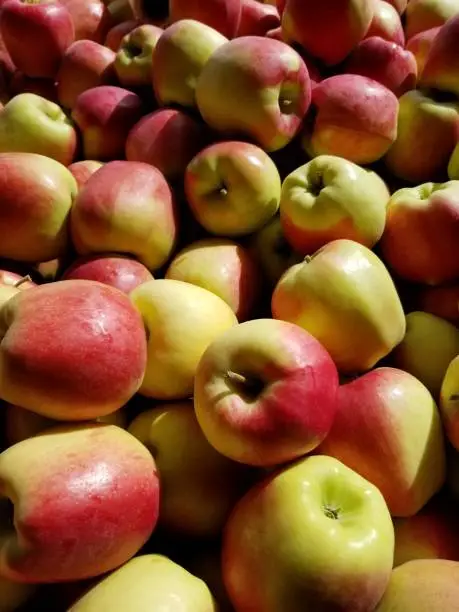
pixel 313 536
pixel 453 164
pixel 330 198
pixel 134 58
pixel 422 15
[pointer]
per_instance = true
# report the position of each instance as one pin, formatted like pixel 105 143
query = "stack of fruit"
pixel 229 305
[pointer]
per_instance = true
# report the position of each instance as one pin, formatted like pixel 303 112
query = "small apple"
pixel 222 15
pixel 83 169
pixel 386 23
pixel 134 58
pixel 420 44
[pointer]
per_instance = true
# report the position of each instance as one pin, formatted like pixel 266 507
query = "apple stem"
pixel 21 281
pixel 247 385
pixel 308 258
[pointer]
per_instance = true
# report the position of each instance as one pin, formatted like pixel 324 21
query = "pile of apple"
pixel 229 306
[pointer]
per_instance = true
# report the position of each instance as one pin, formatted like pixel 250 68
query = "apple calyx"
pixel 249 386
pixel 21 281
pixel 332 513
pixel 316 184
pixel 132 50
pixel 454 397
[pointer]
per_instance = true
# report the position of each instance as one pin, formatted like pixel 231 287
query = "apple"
pixel 422 585
pixel 59 341
pixel 102 507
pixel 433 128
pixel 431 211
pixel 36 195
pixel 224 267
pixel 117 32
pixel 449 402
pixel 453 163
pixel 265 392
pixel 329 544
pixel 421 15
pixel 420 44
pixel 14 595
pixel 328 30
pixel 82 170
pixel 20 83
pixel 399 5
pixel 180 56
pixel 257 18
pixel 355 118
pixel 388 429
pixel 36 34
pixel 386 23
pixel 85 64
pixel 441 66
pixel 91 19
pixel 120 10
pixel 310 294
pixel 120 271
pixel 430 534
pixel 330 198
pixel 7 67
pixel 198 494
pixel 442 301
pixel 10 284
pixel 152 581
pixel 221 15
pixel 233 188
pixel 386 62
pixel 167 138
pixel 182 320
pixel 105 116
pixel 134 58
pixel 32 124
pixel 126 207
pixel 257 87
pixel 429 346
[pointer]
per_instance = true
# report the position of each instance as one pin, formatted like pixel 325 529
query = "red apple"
pixel 36 34
pixel 257 18
pixel 222 15
pixel 83 169
pixel 116 33
pixel 45 88
pixel 442 301
pixel 91 19
pixel 386 23
pixel 85 64
pixel 441 66
pixel 420 44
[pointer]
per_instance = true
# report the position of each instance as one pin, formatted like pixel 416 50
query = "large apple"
pixel 431 211
pixel 32 124
pixel 85 500
pixel 257 87
pixel 36 34
pixel 222 15
pixel 181 321
pixel 233 188
pixel 313 536
pixel 388 429
pixel 265 392
pixel 357 331
pixel 327 30
pixel 54 355
pixel 36 195
pixel 126 207
pixel 134 58
pixel 355 117
pixel 386 23
pixel 441 66
pixel 330 198
pixel 422 15
pixel 91 19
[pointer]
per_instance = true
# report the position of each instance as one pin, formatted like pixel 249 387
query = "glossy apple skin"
pixel 36 35
pixel 420 44
pixel 83 169
pixel 119 271
pixel 61 374
pixel 421 15
pixel 386 23
pixel 442 301
pixel 441 66
pixel 356 118
pixel 77 519
pixel 373 434
pixel 91 19
pixel 292 500
pixel 222 15
pixel 239 75
pixel 122 190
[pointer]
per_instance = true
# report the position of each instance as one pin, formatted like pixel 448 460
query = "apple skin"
pixel 255 86
pixel 399 5
pixel 224 267
pixel 82 170
pixel 85 64
pixel 10 284
pixel 449 404
pixel 298 502
pixel 386 23
pixel 257 18
pixel 154 580
pixel 421 15
pixel 72 322
pixel 386 62
pixel 310 295
pixel 434 127
pixel 373 434
pixel 14 595
pixel 422 585
pixel 442 301
pixel 91 19
pixel 180 56
pixel 330 198
pixel 420 44
pixel 441 65
pixel 167 138
pixel 429 346
pixel 356 118
pixel 117 32
pixel 20 83
pixel 37 194
pixel 126 207
pixel 233 188
pixel 134 58
pixel 105 116
pixel 431 210
pixel 265 393
pixel 430 534
pixel 46 26
pixel 32 124
pixel 198 494
pixel 87 517
pixel 221 15
pixel 328 30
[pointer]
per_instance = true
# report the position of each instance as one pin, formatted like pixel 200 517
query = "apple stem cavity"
pixel 454 397
pixel 246 385
pixel 21 281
